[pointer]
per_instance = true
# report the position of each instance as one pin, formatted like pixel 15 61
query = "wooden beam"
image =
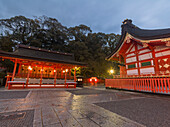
pixel 15 66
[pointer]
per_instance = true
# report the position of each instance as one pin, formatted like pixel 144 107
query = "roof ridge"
pixel 41 49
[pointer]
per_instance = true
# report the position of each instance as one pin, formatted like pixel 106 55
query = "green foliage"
pixel 48 33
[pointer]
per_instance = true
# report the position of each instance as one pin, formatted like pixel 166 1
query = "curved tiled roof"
pixel 144 34
pixel 141 34
pixel 27 52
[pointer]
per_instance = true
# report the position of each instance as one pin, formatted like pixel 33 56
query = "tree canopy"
pixel 49 33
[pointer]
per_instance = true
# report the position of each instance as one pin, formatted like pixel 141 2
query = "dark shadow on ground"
pixel 152 112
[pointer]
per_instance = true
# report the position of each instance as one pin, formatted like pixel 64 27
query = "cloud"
pixel 100 15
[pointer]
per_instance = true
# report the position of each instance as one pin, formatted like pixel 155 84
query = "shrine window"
pixel 131 66
pixel 148 63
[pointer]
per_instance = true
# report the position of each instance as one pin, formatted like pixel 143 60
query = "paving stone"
pixel 87 91
pixel 37 123
pixel 13 94
pixel 47 121
pixel 77 114
pixel 70 122
pixel 73 108
pixel 53 125
pixel 85 122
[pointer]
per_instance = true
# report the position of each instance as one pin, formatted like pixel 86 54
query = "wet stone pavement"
pixel 82 107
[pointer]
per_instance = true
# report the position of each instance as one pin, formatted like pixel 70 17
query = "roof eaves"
pixel 40 59
pixel 43 50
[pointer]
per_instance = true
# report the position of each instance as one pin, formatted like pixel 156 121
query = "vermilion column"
pixel 41 75
pixel 61 72
pixel 155 61
pixel 28 76
pixel 137 58
pixel 69 73
pixel 55 76
pixel 120 65
pixel 75 75
pixel 65 77
pixel 15 66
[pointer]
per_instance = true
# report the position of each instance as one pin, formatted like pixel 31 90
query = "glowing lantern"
pixel 29 68
pixel 93 79
pixel 111 71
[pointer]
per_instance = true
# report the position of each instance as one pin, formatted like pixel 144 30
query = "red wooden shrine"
pixel 40 68
pixel 142 54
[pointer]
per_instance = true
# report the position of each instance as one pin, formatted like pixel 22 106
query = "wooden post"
pixel 74 74
pixel 137 58
pixel 155 61
pixel 15 66
pixel 55 76
pixel 120 66
pixel 41 76
pixel 69 73
pixel 28 76
pixel 65 77
pixel 61 72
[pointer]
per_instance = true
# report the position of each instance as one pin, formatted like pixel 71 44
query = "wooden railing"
pixel 32 75
pixel 148 84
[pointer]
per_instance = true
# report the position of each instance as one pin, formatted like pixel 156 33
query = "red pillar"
pixel 137 58
pixel 75 75
pixel 28 76
pixel 41 76
pixel 69 73
pixel 155 61
pixel 65 76
pixel 55 76
pixel 61 72
pixel 29 71
pixel 120 66
pixel 15 66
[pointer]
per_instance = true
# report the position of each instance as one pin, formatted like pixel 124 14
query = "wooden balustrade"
pixel 148 84
pixel 32 75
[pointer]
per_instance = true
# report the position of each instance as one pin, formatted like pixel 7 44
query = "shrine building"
pixel 40 68
pixel 144 60
pixel 143 52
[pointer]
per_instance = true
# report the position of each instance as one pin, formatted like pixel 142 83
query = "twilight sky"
pixel 100 15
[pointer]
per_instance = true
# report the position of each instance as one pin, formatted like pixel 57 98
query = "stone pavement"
pixel 82 107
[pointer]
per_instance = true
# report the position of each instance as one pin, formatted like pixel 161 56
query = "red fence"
pixel 148 84
pixel 32 75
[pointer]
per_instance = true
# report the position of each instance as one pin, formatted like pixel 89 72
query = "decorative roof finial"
pixel 127 21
